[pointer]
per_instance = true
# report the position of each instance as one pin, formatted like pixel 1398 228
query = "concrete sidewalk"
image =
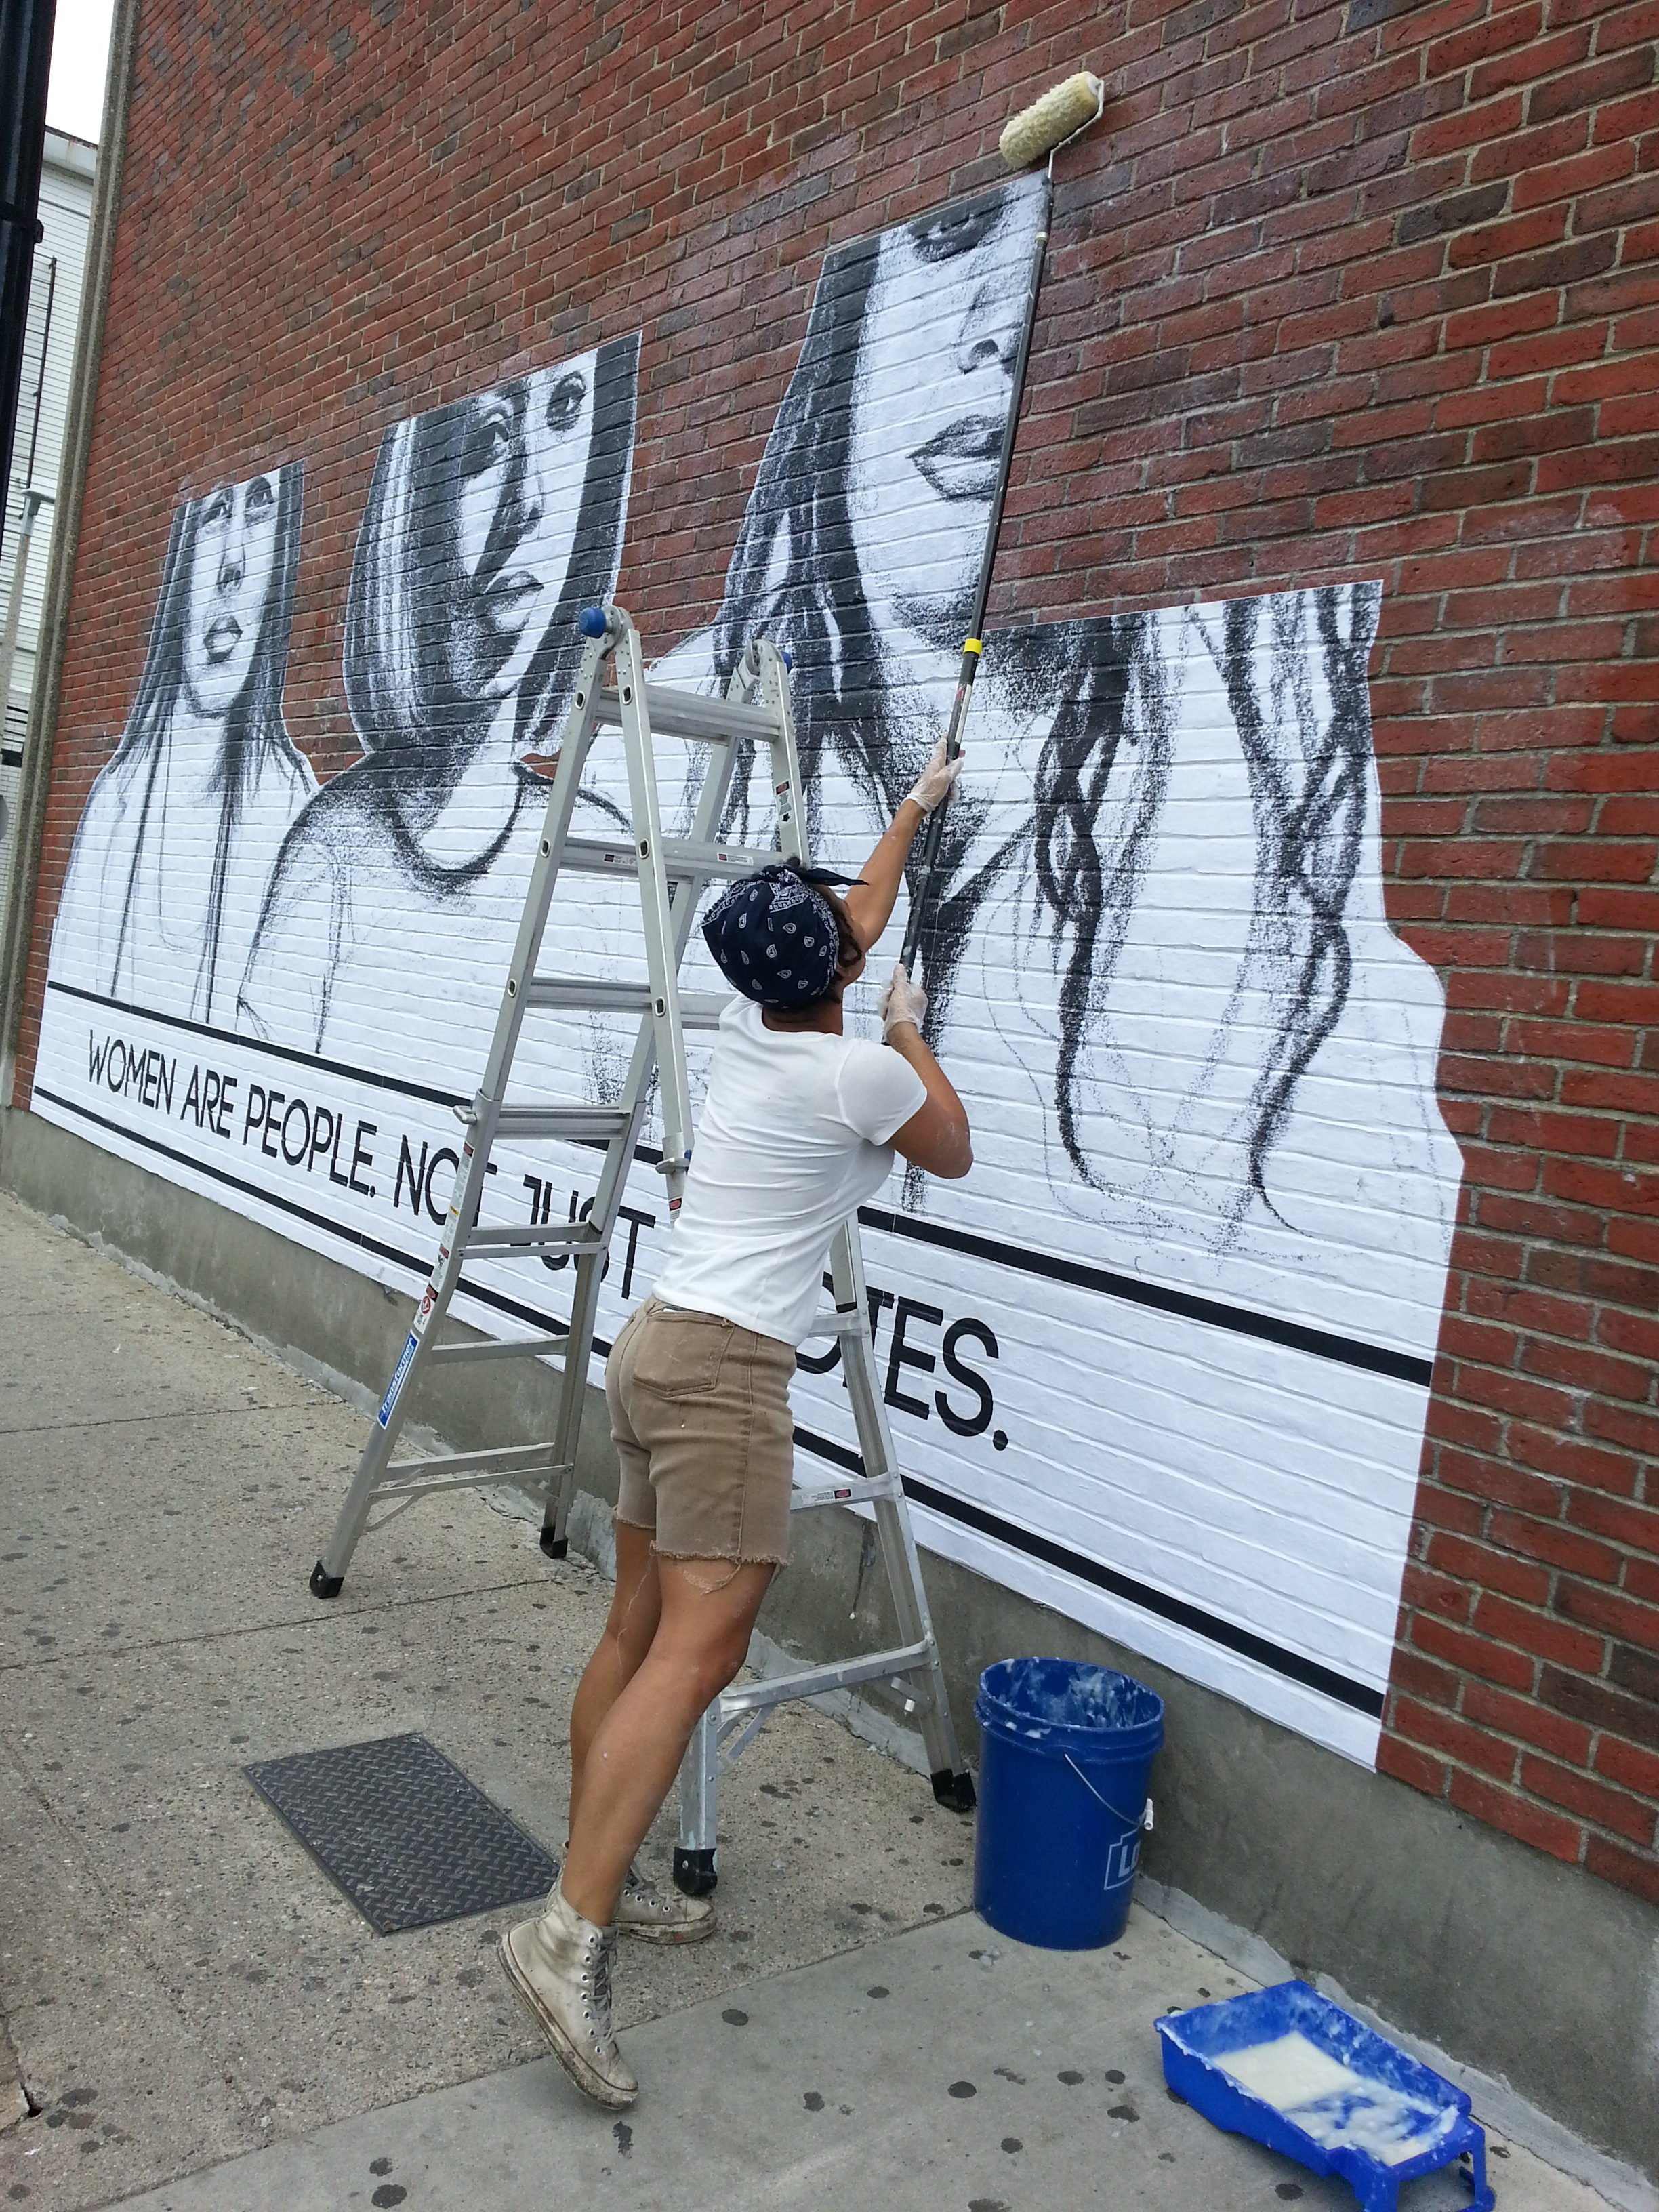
pixel 183 1987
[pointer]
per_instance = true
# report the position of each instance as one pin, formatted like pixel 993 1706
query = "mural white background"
pixel 1162 1361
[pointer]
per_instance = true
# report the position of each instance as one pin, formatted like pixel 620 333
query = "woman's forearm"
pixel 870 903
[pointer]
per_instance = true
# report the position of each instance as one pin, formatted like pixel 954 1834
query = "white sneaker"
pixel 662 1915
pixel 559 1965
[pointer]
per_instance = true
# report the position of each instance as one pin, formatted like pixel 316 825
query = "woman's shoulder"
pixel 113 790
pixel 284 771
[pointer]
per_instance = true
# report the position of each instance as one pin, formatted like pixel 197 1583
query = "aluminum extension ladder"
pixel 673 874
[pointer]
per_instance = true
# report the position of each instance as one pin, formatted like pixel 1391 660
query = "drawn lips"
pixel 511 596
pixel 222 637
pixel 962 461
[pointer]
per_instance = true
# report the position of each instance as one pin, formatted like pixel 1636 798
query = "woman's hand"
pixel 934 784
pixel 902 1001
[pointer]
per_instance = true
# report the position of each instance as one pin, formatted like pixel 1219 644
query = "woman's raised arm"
pixel 871 902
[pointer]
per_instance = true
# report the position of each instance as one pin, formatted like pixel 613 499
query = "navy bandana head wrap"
pixel 774 938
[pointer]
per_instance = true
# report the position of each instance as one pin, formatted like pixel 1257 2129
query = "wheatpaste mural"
pixel 490 525
pixel 1162 1361
pixel 181 829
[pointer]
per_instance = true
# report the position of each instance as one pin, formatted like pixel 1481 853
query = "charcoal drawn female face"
pixel 523 459
pixel 935 381
pixel 230 570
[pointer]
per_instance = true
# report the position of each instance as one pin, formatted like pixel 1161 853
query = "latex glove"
pixel 934 782
pixel 902 1001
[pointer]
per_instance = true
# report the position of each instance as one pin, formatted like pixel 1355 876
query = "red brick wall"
pixel 1335 292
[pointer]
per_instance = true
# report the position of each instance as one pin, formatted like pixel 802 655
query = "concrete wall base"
pixel 1539 1977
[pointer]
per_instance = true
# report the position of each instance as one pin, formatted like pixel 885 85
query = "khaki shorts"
pixel 700 1414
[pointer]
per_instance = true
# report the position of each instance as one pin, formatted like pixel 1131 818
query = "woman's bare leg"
pixel 635 1609
pixel 629 1761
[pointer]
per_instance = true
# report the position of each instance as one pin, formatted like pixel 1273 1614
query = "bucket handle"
pixel 1139 1819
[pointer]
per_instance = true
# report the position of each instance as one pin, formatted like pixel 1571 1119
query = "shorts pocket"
pixel 679 1359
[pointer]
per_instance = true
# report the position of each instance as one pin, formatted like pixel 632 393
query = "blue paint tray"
pixel 1291 2070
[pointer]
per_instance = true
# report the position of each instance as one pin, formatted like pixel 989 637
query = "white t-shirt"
pixel 792 1138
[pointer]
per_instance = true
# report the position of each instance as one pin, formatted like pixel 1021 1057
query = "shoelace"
pixel 642 1892
pixel 599 1976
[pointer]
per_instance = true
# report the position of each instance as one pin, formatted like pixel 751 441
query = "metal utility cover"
pixel 402 1831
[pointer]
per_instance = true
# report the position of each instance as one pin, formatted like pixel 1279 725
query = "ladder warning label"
pixel 410 1343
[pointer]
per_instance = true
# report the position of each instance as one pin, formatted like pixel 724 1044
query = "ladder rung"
pixel 813 1681
pixel 682 858
pixel 589 856
pixel 698 1009
pixel 458 1470
pixel 528 1236
pixel 574 1122
pixel 499 1348
pixel 827 1321
pixel 592 856
pixel 845 1490
pixel 692 714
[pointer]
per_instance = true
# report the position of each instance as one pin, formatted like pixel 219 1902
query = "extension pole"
pixel 973 644
pixel 1038 131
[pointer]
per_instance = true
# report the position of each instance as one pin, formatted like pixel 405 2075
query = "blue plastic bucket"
pixel 1065 1752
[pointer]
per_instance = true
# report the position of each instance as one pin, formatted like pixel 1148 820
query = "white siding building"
pixel 42 405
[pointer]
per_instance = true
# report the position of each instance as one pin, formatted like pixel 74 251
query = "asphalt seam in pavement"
pixel 173 1414
pixel 306 1620
pixel 116 1916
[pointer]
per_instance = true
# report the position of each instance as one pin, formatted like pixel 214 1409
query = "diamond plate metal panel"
pixel 403 1832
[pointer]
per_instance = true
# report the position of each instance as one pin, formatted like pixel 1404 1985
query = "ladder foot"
pixel 555 1547
pixel 954 1791
pixel 324 1584
pixel 694 1872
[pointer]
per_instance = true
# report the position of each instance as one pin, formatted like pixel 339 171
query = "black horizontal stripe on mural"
pixel 1213 1313
pixel 306 1060
pixel 11 756
pixel 1238 1320
pixel 1290 1665
pixel 544 1324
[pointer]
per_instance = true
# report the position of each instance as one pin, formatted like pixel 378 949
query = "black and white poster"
pixel 183 827
pixel 1162 1361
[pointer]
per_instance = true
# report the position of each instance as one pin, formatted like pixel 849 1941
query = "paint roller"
pixel 1036 133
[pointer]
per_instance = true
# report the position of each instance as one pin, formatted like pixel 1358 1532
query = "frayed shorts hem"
pixel 744 1558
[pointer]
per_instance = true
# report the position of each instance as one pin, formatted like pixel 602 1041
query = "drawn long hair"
pixel 1308 774
pixel 255 734
pixel 795 578
pixel 415 712
pixel 1083 889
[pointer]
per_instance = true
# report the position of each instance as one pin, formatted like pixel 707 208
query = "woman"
pixel 490 523
pixel 860 549
pixel 1161 1069
pixel 799 1125
pixel 179 834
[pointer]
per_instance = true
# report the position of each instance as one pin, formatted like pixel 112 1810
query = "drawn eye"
pixel 955 230
pixel 217 509
pixel 261 496
pixel 488 444
pixel 564 402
